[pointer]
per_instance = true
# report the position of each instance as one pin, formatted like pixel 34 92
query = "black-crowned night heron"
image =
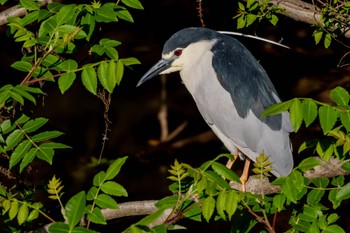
pixel 231 90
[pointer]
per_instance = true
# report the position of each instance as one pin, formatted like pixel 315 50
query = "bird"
pixel 231 90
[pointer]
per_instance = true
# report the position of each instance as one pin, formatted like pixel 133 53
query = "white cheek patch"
pixel 171 69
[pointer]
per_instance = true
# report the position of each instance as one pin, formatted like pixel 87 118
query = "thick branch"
pixel 331 168
pixel 16 11
pixel 302 11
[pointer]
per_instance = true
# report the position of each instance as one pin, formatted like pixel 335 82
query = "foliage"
pixel 255 10
pixel 50 35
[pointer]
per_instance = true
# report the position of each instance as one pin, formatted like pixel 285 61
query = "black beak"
pixel 160 66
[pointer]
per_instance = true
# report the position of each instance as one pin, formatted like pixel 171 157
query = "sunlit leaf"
pixel 309 111
pixel 23 213
pixel 106 201
pixel 328 117
pixel 89 79
pixel 340 96
pixel 113 188
pixel 133 4
pixel 308 163
pixel 75 209
pixel 344 192
pixel 96 216
pixel 114 168
pixel 208 207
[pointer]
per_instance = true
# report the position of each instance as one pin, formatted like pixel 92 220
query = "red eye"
pixel 178 52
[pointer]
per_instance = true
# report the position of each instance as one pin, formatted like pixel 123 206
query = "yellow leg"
pixel 244 176
pixel 230 162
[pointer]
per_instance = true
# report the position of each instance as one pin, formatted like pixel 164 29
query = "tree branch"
pixel 331 168
pixel 303 12
pixel 16 11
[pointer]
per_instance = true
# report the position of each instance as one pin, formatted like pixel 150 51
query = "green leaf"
pixel 114 168
pixel 241 21
pixel 59 227
pixel 105 14
pixel 67 65
pixel 35 124
pixel 124 15
pixel 45 153
pixel 113 188
pixel 208 207
pixel 74 209
pixel 119 70
pixel 96 216
pixel 13 139
pixel 47 135
pixel 151 217
pixel 327 40
pixel 19 153
pixel 315 196
pixel 13 209
pixel 23 213
pixel 71 30
pixel 106 201
pixel 340 96
pixel 105 42
pixel 279 201
pixel 167 202
pixel 34 214
pixel 92 194
pixel 309 111
pixel 65 81
pixel 345 120
pixel 221 204
pixel 343 193
pixel 136 4
pixel 212 176
pixel 28 158
pixel 318 36
pixel 276 109
pixel 29 5
pixel 225 172
pixel 332 218
pixel 296 117
pixel 102 73
pixel 333 229
pixel 232 199
pixel 65 14
pixel 24 94
pixel 130 61
pixel 320 182
pixel 112 53
pixel 293 186
pixel 328 117
pixel 99 178
pixel 332 198
pixel 89 79
pixel 250 19
pixel 22 66
pixel 308 164
pixel 17 97
pixel 273 20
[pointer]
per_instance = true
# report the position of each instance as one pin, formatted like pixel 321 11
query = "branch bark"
pixel 303 12
pixel 16 11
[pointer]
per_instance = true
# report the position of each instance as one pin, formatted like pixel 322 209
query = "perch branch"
pixel 16 11
pixel 303 12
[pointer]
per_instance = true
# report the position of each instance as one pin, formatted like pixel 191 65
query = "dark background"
pixel 305 70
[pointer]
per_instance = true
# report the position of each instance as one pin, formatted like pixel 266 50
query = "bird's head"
pixel 182 49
